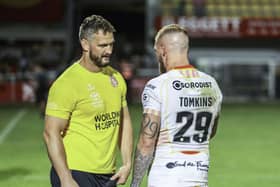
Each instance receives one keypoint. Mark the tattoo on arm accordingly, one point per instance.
(149, 131)
(149, 128)
(141, 164)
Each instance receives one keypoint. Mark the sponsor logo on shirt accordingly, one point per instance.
(179, 85)
(199, 165)
(107, 120)
(95, 97)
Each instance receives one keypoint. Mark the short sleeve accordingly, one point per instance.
(219, 96)
(123, 91)
(61, 100)
(150, 98)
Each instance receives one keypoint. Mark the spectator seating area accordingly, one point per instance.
(222, 8)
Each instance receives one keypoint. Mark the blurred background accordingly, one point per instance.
(236, 41)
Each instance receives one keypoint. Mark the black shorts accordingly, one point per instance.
(85, 179)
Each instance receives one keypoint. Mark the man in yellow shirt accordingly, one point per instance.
(87, 115)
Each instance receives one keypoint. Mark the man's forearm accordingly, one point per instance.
(57, 155)
(145, 148)
(126, 144)
(141, 164)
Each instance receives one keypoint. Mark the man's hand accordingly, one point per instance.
(69, 182)
(122, 175)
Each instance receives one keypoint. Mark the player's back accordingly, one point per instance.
(189, 103)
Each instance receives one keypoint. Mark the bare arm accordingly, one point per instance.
(145, 147)
(53, 139)
(214, 129)
(126, 146)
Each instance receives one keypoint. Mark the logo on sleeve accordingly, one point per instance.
(151, 86)
(145, 97)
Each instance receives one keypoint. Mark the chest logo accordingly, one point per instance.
(114, 81)
(94, 96)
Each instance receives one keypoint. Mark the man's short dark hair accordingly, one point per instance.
(92, 24)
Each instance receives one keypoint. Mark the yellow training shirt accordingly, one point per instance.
(92, 102)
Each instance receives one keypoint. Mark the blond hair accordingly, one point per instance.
(172, 28)
(176, 37)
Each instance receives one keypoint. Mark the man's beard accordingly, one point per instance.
(162, 69)
(97, 60)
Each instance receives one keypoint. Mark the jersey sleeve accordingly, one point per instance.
(219, 96)
(123, 90)
(61, 100)
(151, 98)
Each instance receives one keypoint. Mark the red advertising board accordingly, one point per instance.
(31, 10)
(213, 27)
(10, 92)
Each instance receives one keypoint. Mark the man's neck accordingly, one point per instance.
(177, 63)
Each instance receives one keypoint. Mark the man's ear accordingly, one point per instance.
(163, 49)
(164, 54)
(85, 45)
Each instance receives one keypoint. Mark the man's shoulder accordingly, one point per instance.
(110, 71)
(156, 83)
(206, 75)
(67, 75)
(69, 70)
(160, 78)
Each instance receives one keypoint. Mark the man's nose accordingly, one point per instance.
(109, 49)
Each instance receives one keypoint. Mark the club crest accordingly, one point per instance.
(114, 81)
